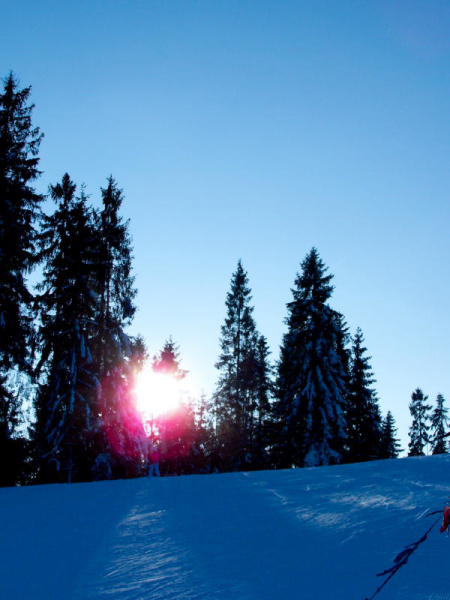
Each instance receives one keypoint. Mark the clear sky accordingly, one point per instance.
(255, 130)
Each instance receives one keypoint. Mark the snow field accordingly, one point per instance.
(301, 534)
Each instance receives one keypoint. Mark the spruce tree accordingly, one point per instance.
(121, 442)
(363, 414)
(19, 210)
(113, 350)
(16, 468)
(175, 428)
(205, 441)
(418, 432)
(167, 362)
(68, 308)
(312, 377)
(10, 407)
(390, 445)
(20, 205)
(439, 424)
(235, 397)
(263, 427)
(115, 280)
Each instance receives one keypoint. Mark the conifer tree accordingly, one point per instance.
(168, 361)
(176, 427)
(121, 439)
(9, 420)
(311, 384)
(16, 468)
(205, 442)
(86, 303)
(439, 424)
(113, 350)
(235, 398)
(186, 436)
(116, 283)
(418, 432)
(20, 205)
(390, 445)
(363, 414)
(263, 413)
(67, 311)
(19, 210)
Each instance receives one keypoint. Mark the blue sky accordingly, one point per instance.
(256, 130)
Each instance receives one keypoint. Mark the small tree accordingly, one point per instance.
(418, 432)
(363, 414)
(263, 413)
(175, 428)
(168, 361)
(204, 443)
(390, 445)
(439, 423)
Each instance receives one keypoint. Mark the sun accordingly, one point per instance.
(157, 393)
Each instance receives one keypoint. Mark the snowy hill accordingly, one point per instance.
(304, 534)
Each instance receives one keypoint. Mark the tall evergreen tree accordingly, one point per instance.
(390, 445)
(439, 424)
(19, 209)
(116, 283)
(418, 432)
(87, 424)
(68, 310)
(235, 398)
(311, 384)
(20, 204)
(113, 350)
(363, 414)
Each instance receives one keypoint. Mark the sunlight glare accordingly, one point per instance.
(157, 393)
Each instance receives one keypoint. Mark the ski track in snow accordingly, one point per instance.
(308, 534)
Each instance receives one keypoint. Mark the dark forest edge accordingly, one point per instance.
(68, 366)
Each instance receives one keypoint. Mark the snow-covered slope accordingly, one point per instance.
(302, 534)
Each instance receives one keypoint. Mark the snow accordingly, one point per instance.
(320, 533)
